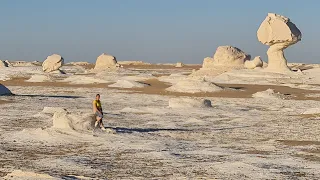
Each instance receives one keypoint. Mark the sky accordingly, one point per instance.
(156, 31)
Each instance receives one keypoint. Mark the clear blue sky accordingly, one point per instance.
(148, 30)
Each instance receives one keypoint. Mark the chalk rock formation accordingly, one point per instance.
(52, 63)
(268, 94)
(8, 63)
(230, 56)
(208, 62)
(105, 61)
(3, 64)
(256, 62)
(194, 86)
(279, 33)
(69, 121)
(4, 90)
(179, 64)
(189, 103)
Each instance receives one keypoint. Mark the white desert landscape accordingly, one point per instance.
(232, 117)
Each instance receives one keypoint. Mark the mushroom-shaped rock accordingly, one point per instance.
(256, 62)
(230, 56)
(52, 63)
(278, 32)
(105, 61)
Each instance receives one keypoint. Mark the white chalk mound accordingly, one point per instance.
(230, 56)
(179, 64)
(268, 94)
(52, 63)
(279, 33)
(189, 103)
(71, 121)
(194, 86)
(128, 84)
(39, 78)
(256, 62)
(80, 79)
(4, 90)
(25, 175)
(105, 61)
(312, 111)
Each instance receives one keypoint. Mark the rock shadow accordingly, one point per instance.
(47, 96)
(143, 130)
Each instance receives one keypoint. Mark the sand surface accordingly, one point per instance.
(272, 136)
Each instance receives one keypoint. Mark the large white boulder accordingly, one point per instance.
(279, 33)
(105, 61)
(71, 121)
(256, 62)
(230, 56)
(52, 63)
(4, 90)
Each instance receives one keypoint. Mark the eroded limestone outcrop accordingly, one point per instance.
(52, 63)
(106, 61)
(256, 62)
(279, 33)
(230, 56)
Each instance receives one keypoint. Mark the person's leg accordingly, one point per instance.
(97, 121)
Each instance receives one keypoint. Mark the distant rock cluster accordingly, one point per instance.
(276, 31)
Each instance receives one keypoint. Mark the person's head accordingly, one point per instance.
(98, 97)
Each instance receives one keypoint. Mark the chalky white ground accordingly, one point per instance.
(233, 139)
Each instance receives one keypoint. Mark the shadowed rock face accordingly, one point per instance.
(3, 64)
(279, 33)
(4, 90)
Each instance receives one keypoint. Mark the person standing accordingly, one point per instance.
(97, 110)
